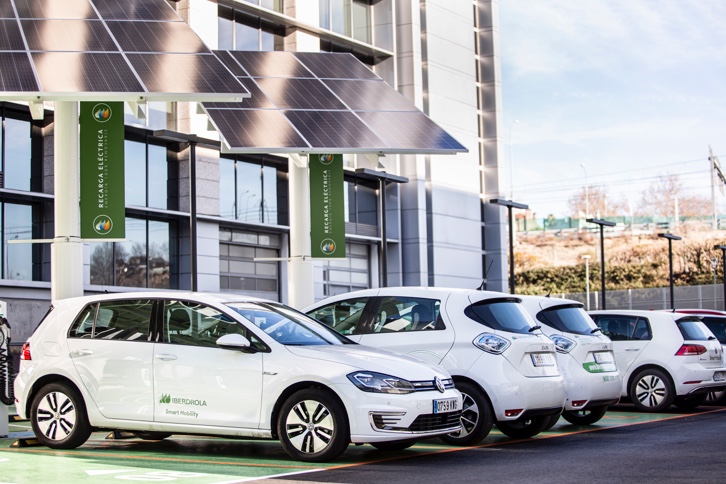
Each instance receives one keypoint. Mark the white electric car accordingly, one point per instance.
(501, 361)
(163, 363)
(664, 357)
(585, 357)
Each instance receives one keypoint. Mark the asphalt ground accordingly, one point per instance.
(678, 446)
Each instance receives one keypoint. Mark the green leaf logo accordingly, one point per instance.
(166, 398)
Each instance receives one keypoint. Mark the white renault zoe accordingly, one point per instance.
(505, 367)
(162, 363)
(584, 354)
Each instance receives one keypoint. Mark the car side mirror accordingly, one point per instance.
(235, 342)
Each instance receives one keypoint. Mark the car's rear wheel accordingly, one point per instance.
(477, 417)
(313, 426)
(58, 416)
(523, 429)
(689, 402)
(651, 390)
(394, 445)
(587, 416)
(151, 435)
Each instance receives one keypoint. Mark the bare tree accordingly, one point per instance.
(596, 199)
(659, 199)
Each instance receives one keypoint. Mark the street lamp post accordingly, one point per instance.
(587, 279)
(722, 248)
(670, 238)
(602, 224)
(510, 205)
(714, 265)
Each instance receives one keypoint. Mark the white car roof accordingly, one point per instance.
(209, 297)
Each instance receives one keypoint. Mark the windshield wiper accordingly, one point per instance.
(535, 328)
(595, 330)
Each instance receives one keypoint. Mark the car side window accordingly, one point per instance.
(194, 324)
(623, 328)
(642, 330)
(397, 314)
(343, 316)
(126, 320)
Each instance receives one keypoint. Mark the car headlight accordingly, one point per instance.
(562, 344)
(370, 381)
(491, 343)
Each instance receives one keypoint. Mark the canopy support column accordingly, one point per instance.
(66, 255)
(301, 277)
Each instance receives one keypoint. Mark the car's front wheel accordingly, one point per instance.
(58, 416)
(651, 390)
(477, 417)
(313, 426)
(523, 429)
(585, 417)
(716, 398)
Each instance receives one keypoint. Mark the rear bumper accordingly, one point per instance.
(691, 379)
(589, 387)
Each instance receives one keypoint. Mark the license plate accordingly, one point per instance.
(602, 357)
(719, 376)
(543, 359)
(446, 405)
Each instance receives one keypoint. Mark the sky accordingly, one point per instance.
(629, 89)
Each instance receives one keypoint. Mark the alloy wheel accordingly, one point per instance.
(56, 416)
(310, 426)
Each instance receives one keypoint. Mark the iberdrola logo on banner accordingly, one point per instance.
(327, 205)
(103, 206)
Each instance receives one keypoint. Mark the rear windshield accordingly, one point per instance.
(717, 327)
(693, 330)
(501, 314)
(568, 319)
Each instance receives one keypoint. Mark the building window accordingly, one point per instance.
(249, 191)
(146, 175)
(146, 259)
(240, 31)
(156, 116)
(20, 262)
(276, 5)
(361, 203)
(349, 274)
(238, 270)
(17, 139)
(351, 18)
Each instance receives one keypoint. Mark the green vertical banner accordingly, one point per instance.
(327, 206)
(103, 207)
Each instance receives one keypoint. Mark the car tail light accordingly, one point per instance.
(25, 352)
(513, 412)
(691, 350)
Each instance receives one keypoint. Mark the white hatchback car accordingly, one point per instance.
(664, 357)
(162, 363)
(584, 354)
(503, 364)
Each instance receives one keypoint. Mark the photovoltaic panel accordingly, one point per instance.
(10, 38)
(339, 130)
(156, 37)
(6, 9)
(67, 35)
(263, 130)
(85, 72)
(409, 131)
(57, 9)
(226, 58)
(181, 73)
(16, 73)
(258, 100)
(271, 64)
(335, 66)
(299, 93)
(370, 96)
(136, 10)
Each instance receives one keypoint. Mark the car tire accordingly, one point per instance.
(551, 422)
(477, 417)
(313, 426)
(58, 416)
(716, 398)
(587, 416)
(151, 435)
(651, 390)
(524, 429)
(689, 402)
(393, 445)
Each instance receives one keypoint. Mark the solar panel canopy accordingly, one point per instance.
(106, 49)
(320, 103)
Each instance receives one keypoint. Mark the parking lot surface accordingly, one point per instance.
(202, 460)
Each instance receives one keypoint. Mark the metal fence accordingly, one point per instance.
(686, 297)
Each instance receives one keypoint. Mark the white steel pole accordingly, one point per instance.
(66, 254)
(301, 276)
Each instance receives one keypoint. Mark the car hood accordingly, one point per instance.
(360, 357)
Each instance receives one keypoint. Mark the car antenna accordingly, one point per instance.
(548, 293)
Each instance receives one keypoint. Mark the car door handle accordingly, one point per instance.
(165, 357)
(632, 349)
(77, 353)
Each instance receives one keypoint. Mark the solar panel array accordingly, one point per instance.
(320, 103)
(65, 49)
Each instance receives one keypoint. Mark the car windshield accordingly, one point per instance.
(693, 329)
(504, 314)
(568, 319)
(287, 326)
(717, 326)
